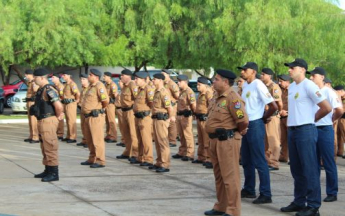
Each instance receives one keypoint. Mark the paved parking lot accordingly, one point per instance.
(121, 188)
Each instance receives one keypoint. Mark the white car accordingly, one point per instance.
(18, 100)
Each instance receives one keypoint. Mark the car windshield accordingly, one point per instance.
(23, 87)
(193, 85)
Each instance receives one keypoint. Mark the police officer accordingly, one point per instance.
(226, 123)
(325, 138)
(240, 83)
(84, 80)
(30, 100)
(341, 122)
(111, 130)
(302, 137)
(59, 87)
(173, 90)
(119, 114)
(48, 111)
(201, 113)
(94, 102)
(128, 95)
(143, 121)
(70, 99)
(256, 97)
(284, 83)
(162, 114)
(272, 140)
(185, 109)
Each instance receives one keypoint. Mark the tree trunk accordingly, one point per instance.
(2, 72)
(18, 73)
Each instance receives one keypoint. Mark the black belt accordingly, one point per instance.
(94, 113)
(67, 101)
(201, 116)
(117, 107)
(43, 116)
(222, 134)
(185, 113)
(127, 108)
(323, 126)
(283, 117)
(299, 126)
(160, 116)
(142, 115)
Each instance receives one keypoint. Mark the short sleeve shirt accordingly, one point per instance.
(111, 89)
(32, 89)
(161, 101)
(186, 98)
(128, 94)
(226, 112)
(203, 102)
(255, 96)
(70, 91)
(302, 99)
(275, 91)
(144, 97)
(333, 99)
(93, 98)
(172, 89)
(60, 87)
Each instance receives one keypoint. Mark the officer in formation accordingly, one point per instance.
(226, 124)
(70, 99)
(84, 80)
(272, 139)
(30, 101)
(95, 101)
(341, 122)
(59, 87)
(185, 109)
(111, 88)
(48, 111)
(119, 113)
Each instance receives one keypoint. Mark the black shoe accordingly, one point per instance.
(135, 161)
(209, 165)
(343, 156)
(119, 144)
(213, 212)
(226, 215)
(196, 143)
(146, 164)
(86, 163)
(80, 144)
(270, 168)
(110, 141)
(289, 163)
(122, 157)
(85, 145)
(262, 200)
(60, 138)
(308, 211)
(162, 169)
(197, 161)
(27, 140)
(292, 208)
(132, 158)
(43, 174)
(177, 156)
(171, 145)
(330, 198)
(185, 158)
(53, 174)
(247, 194)
(34, 141)
(71, 141)
(96, 165)
(153, 167)
(283, 161)
(64, 139)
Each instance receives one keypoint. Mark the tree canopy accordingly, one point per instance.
(195, 34)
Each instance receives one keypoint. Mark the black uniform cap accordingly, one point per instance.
(226, 73)
(251, 65)
(284, 77)
(141, 74)
(338, 87)
(182, 77)
(126, 72)
(159, 76)
(166, 71)
(327, 80)
(107, 74)
(96, 72)
(29, 71)
(268, 71)
(203, 80)
(317, 70)
(83, 75)
(41, 72)
(298, 62)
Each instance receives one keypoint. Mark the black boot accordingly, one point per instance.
(53, 174)
(43, 174)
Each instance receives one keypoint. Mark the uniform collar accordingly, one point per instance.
(226, 93)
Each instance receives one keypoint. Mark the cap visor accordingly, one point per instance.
(242, 68)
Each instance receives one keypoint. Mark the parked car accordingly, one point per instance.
(10, 90)
(2, 101)
(18, 100)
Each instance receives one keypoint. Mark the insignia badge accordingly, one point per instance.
(103, 97)
(150, 92)
(237, 104)
(276, 96)
(318, 94)
(165, 98)
(239, 114)
(101, 90)
(276, 91)
(167, 103)
(296, 95)
(223, 103)
(248, 94)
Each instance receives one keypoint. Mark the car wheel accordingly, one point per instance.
(1, 106)
(9, 101)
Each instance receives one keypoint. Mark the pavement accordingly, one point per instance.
(121, 188)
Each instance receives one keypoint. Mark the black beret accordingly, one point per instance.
(159, 76)
(268, 71)
(284, 77)
(126, 72)
(107, 74)
(41, 72)
(141, 74)
(182, 77)
(166, 71)
(251, 65)
(96, 72)
(327, 80)
(203, 80)
(317, 70)
(29, 71)
(298, 62)
(338, 87)
(83, 75)
(226, 73)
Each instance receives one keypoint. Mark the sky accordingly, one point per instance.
(342, 4)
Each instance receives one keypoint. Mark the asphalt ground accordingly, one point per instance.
(121, 188)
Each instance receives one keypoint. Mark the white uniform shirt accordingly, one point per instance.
(255, 96)
(301, 101)
(333, 99)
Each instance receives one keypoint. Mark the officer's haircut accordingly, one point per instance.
(230, 81)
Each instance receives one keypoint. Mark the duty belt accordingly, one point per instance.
(94, 113)
(222, 134)
(67, 101)
(118, 107)
(201, 116)
(142, 115)
(127, 108)
(185, 113)
(160, 116)
(43, 116)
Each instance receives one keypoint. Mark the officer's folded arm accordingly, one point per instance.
(242, 127)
